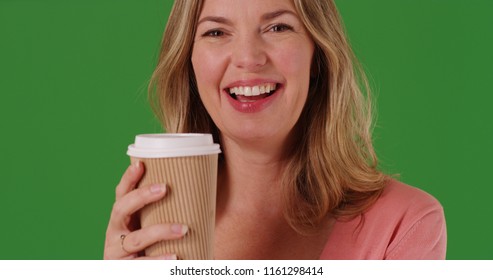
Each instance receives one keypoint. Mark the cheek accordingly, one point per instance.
(208, 77)
(207, 69)
(198, 63)
(296, 63)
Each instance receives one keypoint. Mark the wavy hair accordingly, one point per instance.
(332, 171)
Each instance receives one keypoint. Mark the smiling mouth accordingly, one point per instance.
(252, 94)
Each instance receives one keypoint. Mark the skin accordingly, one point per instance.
(246, 43)
(128, 200)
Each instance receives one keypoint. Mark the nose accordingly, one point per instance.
(249, 52)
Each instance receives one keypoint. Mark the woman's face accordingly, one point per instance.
(252, 61)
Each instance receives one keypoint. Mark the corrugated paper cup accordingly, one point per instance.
(187, 164)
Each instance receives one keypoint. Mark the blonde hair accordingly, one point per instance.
(332, 171)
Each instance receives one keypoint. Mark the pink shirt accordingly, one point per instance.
(404, 223)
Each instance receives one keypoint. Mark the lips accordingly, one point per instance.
(252, 93)
(253, 96)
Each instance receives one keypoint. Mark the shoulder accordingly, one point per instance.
(416, 220)
(404, 223)
(399, 199)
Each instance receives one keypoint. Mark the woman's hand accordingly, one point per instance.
(124, 238)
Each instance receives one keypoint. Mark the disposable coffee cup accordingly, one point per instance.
(187, 164)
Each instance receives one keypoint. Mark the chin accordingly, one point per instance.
(254, 134)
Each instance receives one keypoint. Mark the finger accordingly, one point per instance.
(130, 179)
(114, 250)
(140, 239)
(132, 202)
(163, 257)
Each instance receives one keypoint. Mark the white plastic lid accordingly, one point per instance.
(172, 145)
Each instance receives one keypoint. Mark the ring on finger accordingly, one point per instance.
(122, 239)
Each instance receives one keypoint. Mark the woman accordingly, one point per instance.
(275, 82)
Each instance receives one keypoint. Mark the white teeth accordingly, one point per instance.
(253, 91)
(247, 91)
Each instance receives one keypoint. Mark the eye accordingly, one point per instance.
(281, 27)
(213, 33)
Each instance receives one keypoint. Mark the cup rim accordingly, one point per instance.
(157, 145)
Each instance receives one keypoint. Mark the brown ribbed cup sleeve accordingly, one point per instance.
(191, 200)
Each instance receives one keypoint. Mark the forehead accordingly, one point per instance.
(248, 7)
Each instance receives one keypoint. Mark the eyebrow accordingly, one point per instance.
(277, 13)
(267, 16)
(215, 19)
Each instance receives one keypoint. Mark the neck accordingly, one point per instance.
(250, 177)
(249, 213)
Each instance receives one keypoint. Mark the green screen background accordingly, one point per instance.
(73, 78)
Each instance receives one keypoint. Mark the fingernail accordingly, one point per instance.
(170, 257)
(158, 188)
(136, 165)
(180, 229)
